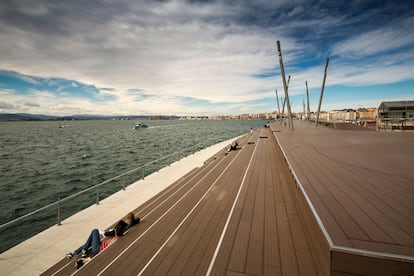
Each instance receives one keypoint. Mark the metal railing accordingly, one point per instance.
(58, 203)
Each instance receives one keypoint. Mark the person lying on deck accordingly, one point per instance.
(96, 244)
(131, 221)
(232, 146)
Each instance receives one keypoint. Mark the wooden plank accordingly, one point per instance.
(318, 247)
(334, 198)
(265, 211)
(234, 273)
(225, 252)
(304, 259)
(334, 217)
(288, 259)
(196, 234)
(207, 256)
(391, 208)
(382, 210)
(254, 260)
(391, 230)
(377, 226)
(170, 222)
(206, 235)
(238, 256)
(271, 258)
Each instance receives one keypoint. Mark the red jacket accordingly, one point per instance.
(106, 242)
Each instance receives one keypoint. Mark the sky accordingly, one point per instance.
(218, 57)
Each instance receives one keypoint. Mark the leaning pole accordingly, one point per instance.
(277, 100)
(307, 96)
(284, 100)
(281, 114)
(323, 87)
(303, 104)
(282, 69)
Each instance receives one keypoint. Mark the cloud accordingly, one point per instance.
(6, 106)
(377, 41)
(162, 57)
(32, 104)
(172, 55)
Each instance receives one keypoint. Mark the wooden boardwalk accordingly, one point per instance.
(361, 188)
(242, 213)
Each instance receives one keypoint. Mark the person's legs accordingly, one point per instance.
(96, 241)
(93, 240)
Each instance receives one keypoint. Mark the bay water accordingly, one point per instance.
(43, 161)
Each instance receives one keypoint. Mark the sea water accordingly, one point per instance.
(41, 162)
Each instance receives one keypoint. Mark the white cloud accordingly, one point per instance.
(384, 38)
(175, 49)
(374, 42)
(5, 107)
(202, 60)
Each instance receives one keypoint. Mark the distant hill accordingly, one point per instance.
(25, 117)
(41, 117)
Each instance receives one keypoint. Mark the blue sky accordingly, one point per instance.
(201, 57)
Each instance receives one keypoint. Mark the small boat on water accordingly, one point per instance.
(140, 125)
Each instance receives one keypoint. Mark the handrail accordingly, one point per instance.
(59, 201)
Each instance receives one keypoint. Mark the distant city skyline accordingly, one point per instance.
(201, 57)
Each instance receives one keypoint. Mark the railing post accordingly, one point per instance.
(97, 195)
(58, 213)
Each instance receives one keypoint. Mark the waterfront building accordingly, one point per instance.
(344, 115)
(364, 114)
(396, 115)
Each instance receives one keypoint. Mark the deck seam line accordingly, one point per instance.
(63, 267)
(166, 191)
(146, 207)
(139, 237)
(152, 210)
(182, 186)
(213, 260)
(187, 216)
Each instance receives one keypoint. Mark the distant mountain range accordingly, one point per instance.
(41, 117)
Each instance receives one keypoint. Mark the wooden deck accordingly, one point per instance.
(243, 213)
(361, 187)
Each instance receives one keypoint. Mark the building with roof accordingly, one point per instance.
(396, 115)
(364, 114)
